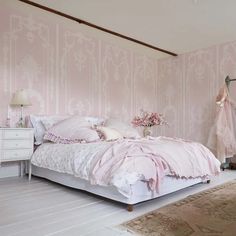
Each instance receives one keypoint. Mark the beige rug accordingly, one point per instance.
(211, 213)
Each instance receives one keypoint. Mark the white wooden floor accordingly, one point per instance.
(40, 207)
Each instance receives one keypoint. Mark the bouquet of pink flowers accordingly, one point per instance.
(149, 119)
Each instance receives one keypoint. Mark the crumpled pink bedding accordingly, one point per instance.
(154, 157)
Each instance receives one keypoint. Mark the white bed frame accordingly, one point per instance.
(169, 185)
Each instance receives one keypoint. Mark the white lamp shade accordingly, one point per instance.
(20, 98)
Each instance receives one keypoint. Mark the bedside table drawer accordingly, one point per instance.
(15, 144)
(17, 134)
(12, 155)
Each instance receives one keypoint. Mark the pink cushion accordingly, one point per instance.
(73, 130)
(35, 121)
(109, 133)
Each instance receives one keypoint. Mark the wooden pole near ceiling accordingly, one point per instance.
(96, 26)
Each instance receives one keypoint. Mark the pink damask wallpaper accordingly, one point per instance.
(189, 86)
(68, 71)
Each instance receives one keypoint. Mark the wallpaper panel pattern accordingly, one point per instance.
(69, 72)
(189, 85)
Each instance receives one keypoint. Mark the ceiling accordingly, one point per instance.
(179, 26)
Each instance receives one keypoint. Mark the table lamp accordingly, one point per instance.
(20, 98)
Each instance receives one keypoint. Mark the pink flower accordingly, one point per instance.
(149, 119)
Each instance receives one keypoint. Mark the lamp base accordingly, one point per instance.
(20, 123)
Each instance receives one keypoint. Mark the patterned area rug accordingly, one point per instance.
(212, 212)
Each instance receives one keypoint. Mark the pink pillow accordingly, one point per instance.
(73, 130)
(35, 121)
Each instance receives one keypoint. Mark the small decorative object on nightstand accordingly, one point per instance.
(16, 144)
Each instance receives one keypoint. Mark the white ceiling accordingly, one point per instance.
(176, 25)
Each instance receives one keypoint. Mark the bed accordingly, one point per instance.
(100, 167)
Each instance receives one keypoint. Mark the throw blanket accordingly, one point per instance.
(151, 157)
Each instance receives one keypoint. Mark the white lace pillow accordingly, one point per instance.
(109, 133)
(125, 129)
(50, 121)
(72, 130)
(95, 121)
(39, 128)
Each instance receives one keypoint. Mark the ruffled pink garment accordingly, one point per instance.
(222, 136)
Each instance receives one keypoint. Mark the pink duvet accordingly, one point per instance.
(154, 158)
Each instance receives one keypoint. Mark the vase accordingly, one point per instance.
(147, 131)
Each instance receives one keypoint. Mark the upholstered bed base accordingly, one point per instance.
(140, 191)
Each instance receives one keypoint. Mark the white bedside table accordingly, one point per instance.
(16, 144)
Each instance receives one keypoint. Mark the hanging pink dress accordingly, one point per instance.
(222, 138)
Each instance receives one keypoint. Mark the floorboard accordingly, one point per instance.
(44, 208)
